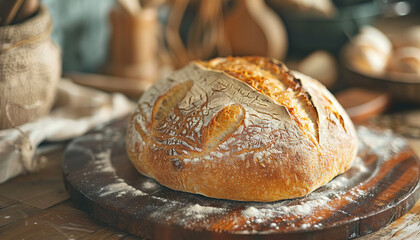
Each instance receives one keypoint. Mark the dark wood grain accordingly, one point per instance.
(40, 191)
(381, 186)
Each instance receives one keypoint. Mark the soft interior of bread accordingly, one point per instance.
(275, 82)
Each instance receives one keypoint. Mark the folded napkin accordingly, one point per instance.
(77, 110)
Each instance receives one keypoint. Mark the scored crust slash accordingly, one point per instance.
(240, 128)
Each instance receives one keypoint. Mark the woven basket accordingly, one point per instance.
(30, 67)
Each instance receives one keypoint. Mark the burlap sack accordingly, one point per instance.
(30, 67)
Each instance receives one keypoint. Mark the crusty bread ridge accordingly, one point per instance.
(243, 129)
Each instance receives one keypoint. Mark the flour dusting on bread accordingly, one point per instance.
(242, 129)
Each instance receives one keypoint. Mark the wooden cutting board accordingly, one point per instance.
(381, 186)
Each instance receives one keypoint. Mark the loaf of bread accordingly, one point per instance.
(405, 60)
(241, 129)
(369, 51)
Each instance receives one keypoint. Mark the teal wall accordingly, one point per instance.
(81, 29)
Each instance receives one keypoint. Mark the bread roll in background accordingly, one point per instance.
(241, 129)
(409, 37)
(405, 60)
(369, 51)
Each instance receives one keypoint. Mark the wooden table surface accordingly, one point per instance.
(37, 206)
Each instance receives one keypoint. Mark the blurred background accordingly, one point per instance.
(83, 28)
(367, 52)
(326, 39)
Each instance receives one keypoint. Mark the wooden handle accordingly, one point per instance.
(27, 10)
(8, 11)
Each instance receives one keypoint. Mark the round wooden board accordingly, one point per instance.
(381, 186)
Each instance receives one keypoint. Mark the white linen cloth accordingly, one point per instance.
(77, 110)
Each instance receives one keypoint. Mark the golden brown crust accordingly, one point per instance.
(265, 76)
(222, 125)
(241, 129)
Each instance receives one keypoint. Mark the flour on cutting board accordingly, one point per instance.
(120, 188)
(150, 185)
(197, 211)
(102, 164)
(272, 211)
(385, 144)
(102, 161)
(341, 188)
